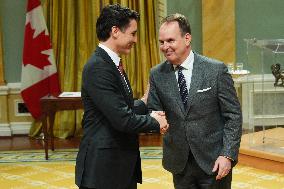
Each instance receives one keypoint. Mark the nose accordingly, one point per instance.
(164, 46)
(135, 39)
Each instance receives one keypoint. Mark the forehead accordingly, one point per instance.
(132, 26)
(169, 30)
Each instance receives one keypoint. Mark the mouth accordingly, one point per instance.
(130, 45)
(168, 53)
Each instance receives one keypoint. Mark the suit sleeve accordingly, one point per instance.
(231, 113)
(140, 107)
(104, 90)
(153, 102)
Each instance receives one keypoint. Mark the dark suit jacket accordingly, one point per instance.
(211, 124)
(109, 156)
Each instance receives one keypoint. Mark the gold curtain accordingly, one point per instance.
(72, 29)
(219, 29)
(145, 54)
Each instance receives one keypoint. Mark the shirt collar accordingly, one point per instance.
(188, 62)
(115, 58)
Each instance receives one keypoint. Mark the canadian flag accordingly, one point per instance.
(39, 74)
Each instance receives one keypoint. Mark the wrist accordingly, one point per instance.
(227, 157)
(144, 100)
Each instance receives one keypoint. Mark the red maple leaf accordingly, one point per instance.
(33, 48)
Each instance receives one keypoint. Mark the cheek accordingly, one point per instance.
(130, 41)
(162, 48)
(131, 38)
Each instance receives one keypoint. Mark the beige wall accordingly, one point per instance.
(5, 129)
(11, 121)
(3, 109)
(14, 116)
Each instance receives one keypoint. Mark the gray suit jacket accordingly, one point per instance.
(211, 124)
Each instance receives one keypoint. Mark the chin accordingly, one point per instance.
(123, 52)
(170, 58)
(127, 51)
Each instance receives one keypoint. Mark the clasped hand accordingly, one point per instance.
(160, 116)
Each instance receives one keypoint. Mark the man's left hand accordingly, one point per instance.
(223, 165)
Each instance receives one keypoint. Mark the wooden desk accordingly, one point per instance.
(50, 105)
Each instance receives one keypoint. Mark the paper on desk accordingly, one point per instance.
(70, 94)
(240, 72)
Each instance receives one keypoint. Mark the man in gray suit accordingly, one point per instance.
(202, 109)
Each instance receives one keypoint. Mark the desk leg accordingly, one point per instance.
(51, 123)
(45, 133)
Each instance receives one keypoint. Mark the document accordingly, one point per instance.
(70, 94)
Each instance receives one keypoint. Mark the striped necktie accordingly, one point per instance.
(121, 71)
(182, 86)
(120, 67)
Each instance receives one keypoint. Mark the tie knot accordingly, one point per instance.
(120, 66)
(179, 68)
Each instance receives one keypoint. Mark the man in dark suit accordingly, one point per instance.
(108, 156)
(202, 109)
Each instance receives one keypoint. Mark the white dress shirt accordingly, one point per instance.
(116, 59)
(187, 69)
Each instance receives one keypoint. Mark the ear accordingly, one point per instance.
(115, 31)
(187, 38)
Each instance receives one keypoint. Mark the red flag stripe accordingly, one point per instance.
(32, 95)
(45, 81)
(32, 4)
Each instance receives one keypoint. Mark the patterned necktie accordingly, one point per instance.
(120, 67)
(182, 86)
(121, 71)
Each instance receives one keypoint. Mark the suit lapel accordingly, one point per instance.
(196, 80)
(126, 93)
(170, 80)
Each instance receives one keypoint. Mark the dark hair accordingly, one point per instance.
(183, 23)
(114, 15)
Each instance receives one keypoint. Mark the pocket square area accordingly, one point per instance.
(203, 90)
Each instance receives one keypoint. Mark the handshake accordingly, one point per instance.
(160, 116)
